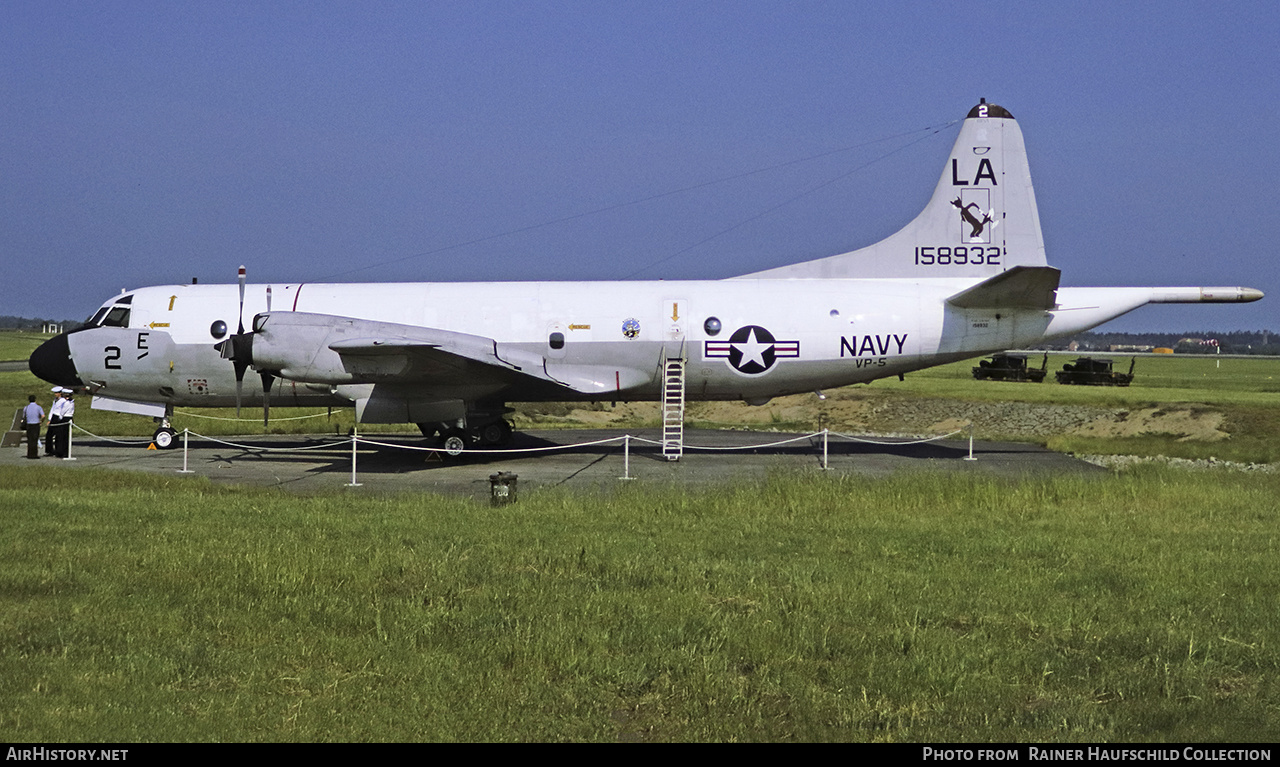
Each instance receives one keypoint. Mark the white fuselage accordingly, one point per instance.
(821, 333)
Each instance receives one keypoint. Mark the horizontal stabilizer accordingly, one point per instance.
(1022, 287)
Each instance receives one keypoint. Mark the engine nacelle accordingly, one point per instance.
(295, 345)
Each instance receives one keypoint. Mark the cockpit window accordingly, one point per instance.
(96, 319)
(124, 299)
(118, 317)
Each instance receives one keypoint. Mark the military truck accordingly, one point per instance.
(1092, 371)
(1010, 367)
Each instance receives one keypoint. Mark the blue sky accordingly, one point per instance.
(149, 143)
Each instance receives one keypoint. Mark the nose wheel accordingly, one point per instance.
(165, 438)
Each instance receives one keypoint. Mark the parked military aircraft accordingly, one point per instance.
(967, 277)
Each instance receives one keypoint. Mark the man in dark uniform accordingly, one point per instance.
(33, 416)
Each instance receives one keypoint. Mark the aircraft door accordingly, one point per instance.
(141, 317)
(675, 326)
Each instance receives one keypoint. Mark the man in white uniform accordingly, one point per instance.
(54, 432)
(64, 438)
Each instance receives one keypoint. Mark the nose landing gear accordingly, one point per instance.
(165, 436)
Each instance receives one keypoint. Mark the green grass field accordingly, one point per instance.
(1136, 607)
(18, 344)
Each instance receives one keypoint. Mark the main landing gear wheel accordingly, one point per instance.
(454, 442)
(165, 438)
(496, 433)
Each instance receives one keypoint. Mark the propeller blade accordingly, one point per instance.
(267, 380)
(241, 330)
(239, 387)
(239, 349)
(268, 298)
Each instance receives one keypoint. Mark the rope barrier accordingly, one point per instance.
(186, 413)
(737, 447)
(551, 448)
(108, 439)
(343, 443)
(356, 440)
(500, 451)
(209, 438)
(902, 442)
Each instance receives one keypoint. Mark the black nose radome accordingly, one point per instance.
(52, 362)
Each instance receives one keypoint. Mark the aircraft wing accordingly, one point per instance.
(323, 348)
(435, 359)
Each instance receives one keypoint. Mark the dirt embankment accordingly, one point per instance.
(864, 411)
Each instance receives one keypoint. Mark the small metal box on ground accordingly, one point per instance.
(502, 488)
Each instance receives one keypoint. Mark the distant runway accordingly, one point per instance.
(323, 463)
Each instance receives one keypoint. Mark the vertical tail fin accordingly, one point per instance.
(981, 220)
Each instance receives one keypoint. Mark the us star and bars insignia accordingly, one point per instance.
(751, 350)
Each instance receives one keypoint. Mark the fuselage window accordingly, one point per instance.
(556, 341)
(118, 317)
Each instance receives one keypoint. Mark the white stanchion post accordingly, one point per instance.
(825, 467)
(970, 456)
(354, 439)
(626, 457)
(69, 430)
(185, 434)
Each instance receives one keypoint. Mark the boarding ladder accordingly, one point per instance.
(673, 408)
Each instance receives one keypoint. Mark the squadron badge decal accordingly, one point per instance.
(631, 329)
(976, 224)
(976, 215)
(751, 350)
